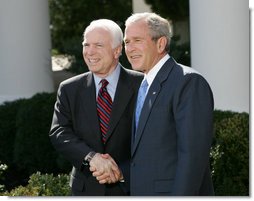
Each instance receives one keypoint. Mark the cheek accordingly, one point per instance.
(84, 52)
(127, 50)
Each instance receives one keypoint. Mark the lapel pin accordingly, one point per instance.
(154, 92)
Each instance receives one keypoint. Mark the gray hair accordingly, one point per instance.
(109, 25)
(157, 25)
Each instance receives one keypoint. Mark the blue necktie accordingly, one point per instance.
(140, 100)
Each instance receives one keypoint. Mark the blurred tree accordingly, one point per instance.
(172, 9)
(68, 19)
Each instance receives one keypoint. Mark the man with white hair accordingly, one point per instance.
(91, 125)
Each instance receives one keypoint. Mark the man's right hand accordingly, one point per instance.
(105, 169)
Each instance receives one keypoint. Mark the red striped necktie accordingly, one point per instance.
(104, 107)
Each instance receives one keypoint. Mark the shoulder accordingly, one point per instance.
(187, 73)
(192, 79)
(187, 70)
(192, 74)
(132, 72)
(182, 75)
(75, 81)
(131, 78)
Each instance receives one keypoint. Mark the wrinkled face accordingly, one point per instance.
(98, 53)
(140, 49)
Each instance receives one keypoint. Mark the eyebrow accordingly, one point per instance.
(136, 37)
(97, 43)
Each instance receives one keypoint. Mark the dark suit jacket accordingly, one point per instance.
(75, 128)
(170, 154)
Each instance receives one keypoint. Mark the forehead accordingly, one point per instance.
(97, 34)
(136, 29)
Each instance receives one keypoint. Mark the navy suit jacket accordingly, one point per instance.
(75, 129)
(170, 153)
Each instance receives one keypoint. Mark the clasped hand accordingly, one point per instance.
(105, 169)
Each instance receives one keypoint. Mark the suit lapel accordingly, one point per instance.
(151, 96)
(122, 97)
(88, 103)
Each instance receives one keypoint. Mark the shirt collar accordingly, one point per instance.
(153, 72)
(112, 78)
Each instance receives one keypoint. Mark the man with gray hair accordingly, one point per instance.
(173, 123)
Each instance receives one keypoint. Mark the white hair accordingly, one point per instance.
(109, 25)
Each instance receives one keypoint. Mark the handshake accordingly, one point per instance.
(105, 169)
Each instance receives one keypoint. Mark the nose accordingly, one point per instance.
(89, 50)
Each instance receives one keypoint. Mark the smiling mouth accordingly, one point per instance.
(93, 61)
(135, 56)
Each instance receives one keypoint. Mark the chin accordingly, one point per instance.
(134, 66)
(137, 68)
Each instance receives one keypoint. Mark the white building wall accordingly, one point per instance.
(25, 60)
(220, 49)
(139, 6)
(251, 5)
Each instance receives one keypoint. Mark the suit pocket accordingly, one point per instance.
(163, 186)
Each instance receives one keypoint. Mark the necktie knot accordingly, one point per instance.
(144, 85)
(104, 83)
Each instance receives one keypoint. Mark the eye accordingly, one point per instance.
(85, 44)
(126, 42)
(99, 45)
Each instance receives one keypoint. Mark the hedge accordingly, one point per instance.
(32, 148)
(25, 147)
(24, 143)
(230, 154)
(43, 185)
(8, 112)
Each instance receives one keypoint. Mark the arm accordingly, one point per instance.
(193, 110)
(62, 134)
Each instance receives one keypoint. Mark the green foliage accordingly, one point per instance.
(3, 168)
(8, 111)
(43, 185)
(230, 154)
(220, 115)
(24, 143)
(32, 147)
(181, 53)
(172, 9)
(70, 17)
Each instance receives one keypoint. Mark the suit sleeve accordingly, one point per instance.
(193, 111)
(125, 168)
(62, 133)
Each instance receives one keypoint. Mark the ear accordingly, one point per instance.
(161, 44)
(118, 51)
